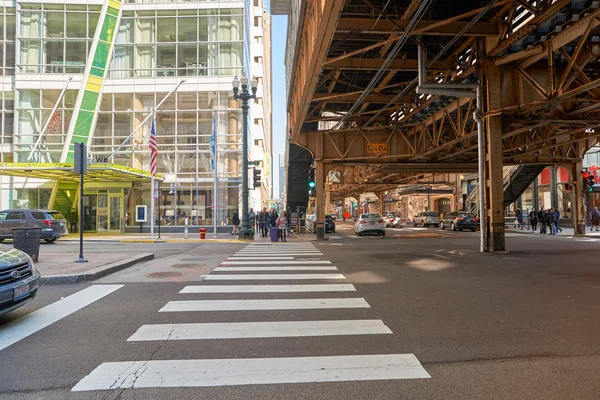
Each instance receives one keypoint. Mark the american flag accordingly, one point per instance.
(54, 125)
(153, 149)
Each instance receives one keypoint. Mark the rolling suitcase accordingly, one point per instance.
(274, 234)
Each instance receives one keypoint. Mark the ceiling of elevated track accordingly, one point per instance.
(547, 54)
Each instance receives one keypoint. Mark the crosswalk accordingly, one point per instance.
(272, 264)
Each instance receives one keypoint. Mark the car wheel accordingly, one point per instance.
(452, 226)
(1, 240)
(460, 229)
(52, 240)
(383, 233)
(442, 226)
(437, 225)
(415, 223)
(359, 233)
(473, 229)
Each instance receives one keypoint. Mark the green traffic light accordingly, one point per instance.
(311, 184)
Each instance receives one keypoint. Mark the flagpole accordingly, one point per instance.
(152, 195)
(216, 177)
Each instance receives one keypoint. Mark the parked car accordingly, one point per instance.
(389, 218)
(459, 220)
(425, 219)
(398, 222)
(370, 223)
(52, 223)
(19, 280)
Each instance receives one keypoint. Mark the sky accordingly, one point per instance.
(278, 88)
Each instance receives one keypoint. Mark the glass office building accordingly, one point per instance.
(46, 57)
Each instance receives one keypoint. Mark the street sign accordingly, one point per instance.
(141, 213)
(334, 177)
(377, 148)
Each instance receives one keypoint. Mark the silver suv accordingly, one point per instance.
(427, 218)
(19, 280)
(52, 223)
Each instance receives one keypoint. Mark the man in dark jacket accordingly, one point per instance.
(557, 223)
(551, 222)
(263, 219)
(542, 220)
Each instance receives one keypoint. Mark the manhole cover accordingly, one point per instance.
(194, 259)
(187, 265)
(165, 274)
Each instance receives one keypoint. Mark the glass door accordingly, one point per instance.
(102, 211)
(115, 213)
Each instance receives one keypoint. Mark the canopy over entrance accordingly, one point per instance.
(65, 172)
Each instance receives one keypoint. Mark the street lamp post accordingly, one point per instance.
(244, 94)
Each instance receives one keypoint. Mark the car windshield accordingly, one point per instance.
(55, 215)
(433, 214)
(465, 215)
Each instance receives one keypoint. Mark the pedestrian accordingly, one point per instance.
(235, 219)
(557, 223)
(264, 222)
(73, 219)
(282, 223)
(595, 218)
(533, 219)
(551, 221)
(542, 220)
(519, 215)
(273, 225)
(252, 219)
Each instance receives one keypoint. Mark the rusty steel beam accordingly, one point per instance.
(373, 64)
(433, 28)
(352, 97)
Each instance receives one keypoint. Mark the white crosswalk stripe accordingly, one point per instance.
(286, 268)
(332, 287)
(262, 259)
(243, 330)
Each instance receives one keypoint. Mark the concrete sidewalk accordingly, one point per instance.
(140, 238)
(567, 231)
(62, 268)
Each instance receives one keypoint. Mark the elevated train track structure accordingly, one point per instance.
(353, 103)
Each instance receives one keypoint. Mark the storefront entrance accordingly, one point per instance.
(102, 210)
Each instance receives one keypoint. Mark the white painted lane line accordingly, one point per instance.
(296, 262)
(271, 277)
(263, 304)
(40, 319)
(315, 254)
(289, 268)
(241, 258)
(247, 330)
(333, 287)
(251, 371)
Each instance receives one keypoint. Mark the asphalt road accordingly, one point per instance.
(516, 325)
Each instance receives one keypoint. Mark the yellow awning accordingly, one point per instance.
(65, 172)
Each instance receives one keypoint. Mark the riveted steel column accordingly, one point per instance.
(494, 188)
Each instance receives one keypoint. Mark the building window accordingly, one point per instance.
(257, 21)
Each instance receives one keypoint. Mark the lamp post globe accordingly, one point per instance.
(244, 95)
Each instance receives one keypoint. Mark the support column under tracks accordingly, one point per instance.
(577, 198)
(494, 185)
(320, 188)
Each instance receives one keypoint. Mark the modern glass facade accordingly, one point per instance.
(156, 46)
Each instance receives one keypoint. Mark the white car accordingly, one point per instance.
(398, 222)
(370, 223)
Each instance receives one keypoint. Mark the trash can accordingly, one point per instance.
(28, 241)
(274, 234)
(202, 233)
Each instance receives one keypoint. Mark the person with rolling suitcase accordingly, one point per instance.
(273, 225)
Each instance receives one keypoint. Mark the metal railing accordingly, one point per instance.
(474, 196)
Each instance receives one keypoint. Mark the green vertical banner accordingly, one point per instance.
(88, 98)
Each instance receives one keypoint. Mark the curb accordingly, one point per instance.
(97, 272)
(179, 241)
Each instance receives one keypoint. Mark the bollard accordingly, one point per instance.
(185, 230)
(202, 233)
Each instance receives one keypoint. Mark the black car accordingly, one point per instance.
(459, 220)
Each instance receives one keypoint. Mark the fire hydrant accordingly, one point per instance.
(202, 233)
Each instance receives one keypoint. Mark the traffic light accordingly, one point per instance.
(588, 181)
(257, 179)
(311, 178)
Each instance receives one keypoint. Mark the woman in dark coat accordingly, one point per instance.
(533, 220)
(235, 220)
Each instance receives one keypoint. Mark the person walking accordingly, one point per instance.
(551, 221)
(282, 223)
(595, 218)
(235, 219)
(533, 219)
(252, 220)
(519, 215)
(542, 220)
(557, 223)
(264, 222)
